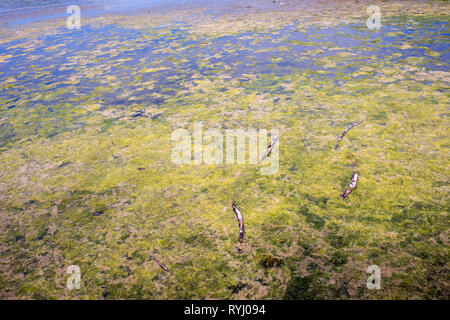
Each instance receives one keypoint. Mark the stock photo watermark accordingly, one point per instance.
(74, 281)
(374, 21)
(74, 20)
(208, 147)
(374, 281)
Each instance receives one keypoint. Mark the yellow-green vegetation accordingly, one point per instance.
(86, 119)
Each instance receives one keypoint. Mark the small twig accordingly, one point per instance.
(269, 148)
(240, 220)
(347, 130)
(351, 186)
(159, 263)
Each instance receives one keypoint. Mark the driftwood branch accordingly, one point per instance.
(347, 130)
(240, 220)
(351, 186)
(269, 148)
(159, 263)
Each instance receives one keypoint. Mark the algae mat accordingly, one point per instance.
(86, 119)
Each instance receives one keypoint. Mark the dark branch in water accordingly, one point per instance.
(240, 220)
(269, 149)
(159, 263)
(347, 130)
(351, 186)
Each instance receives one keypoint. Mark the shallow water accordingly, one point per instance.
(16, 5)
(124, 54)
(86, 118)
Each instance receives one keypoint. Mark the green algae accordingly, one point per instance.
(72, 148)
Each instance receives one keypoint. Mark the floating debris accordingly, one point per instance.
(347, 130)
(269, 149)
(159, 263)
(156, 116)
(63, 164)
(139, 113)
(351, 186)
(240, 220)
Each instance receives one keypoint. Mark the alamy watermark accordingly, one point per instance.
(208, 147)
(74, 20)
(374, 21)
(374, 281)
(74, 281)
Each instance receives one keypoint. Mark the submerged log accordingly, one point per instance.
(347, 130)
(269, 148)
(351, 186)
(240, 220)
